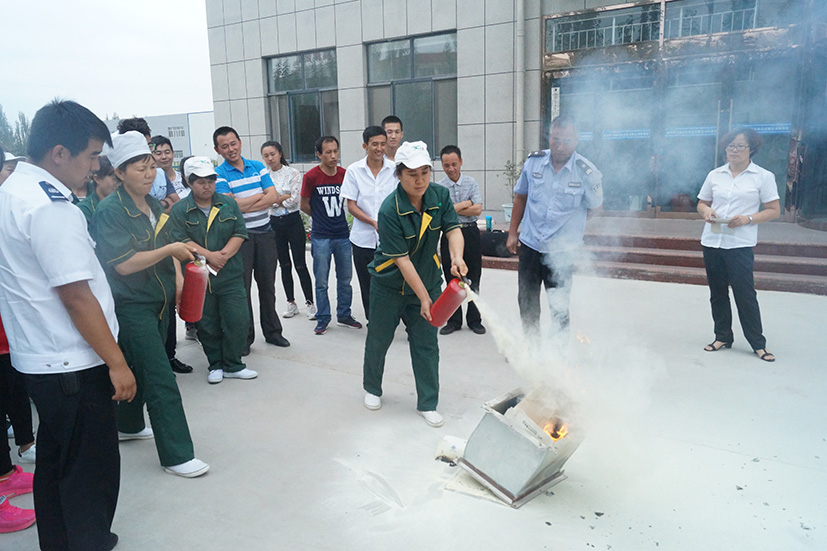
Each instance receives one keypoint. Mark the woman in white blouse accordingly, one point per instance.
(286, 221)
(730, 201)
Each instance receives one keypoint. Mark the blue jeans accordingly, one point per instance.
(321, 249)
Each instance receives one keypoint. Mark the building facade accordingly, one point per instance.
(190, 133)
(653, 84)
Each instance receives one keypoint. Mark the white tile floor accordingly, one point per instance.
(687, 450)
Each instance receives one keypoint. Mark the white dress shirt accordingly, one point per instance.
(359, 185)
(730, 197)
(45, 245)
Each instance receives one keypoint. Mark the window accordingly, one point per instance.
(688, 18)
(416, 80)
(303, 101)
(176, 132)
(598, 29)
(601, 29)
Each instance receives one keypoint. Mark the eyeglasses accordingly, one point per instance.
(736, 147)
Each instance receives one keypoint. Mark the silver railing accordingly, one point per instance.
(614, 30)
(690, 24)
(610, 35)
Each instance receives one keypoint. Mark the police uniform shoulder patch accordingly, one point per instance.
(584, 167)
(536, 154)
(52, 192)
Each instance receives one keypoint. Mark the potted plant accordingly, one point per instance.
(512, 174)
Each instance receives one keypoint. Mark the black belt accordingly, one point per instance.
(468, 225)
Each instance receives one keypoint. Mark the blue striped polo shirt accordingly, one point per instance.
(255, 179)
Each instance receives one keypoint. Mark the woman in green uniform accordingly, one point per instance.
(407, 277)
(214, 226)
(132, 243)
(103, 183)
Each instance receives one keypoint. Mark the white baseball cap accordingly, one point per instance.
(126, 146)
(200, 166)
(9, 157)
(412, 155)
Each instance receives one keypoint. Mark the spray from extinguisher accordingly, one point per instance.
(448, 302)
(196, 277)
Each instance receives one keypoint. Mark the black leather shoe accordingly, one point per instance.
(448, 329)
(246, 351)
(278, 340)
(179, 367)
(478, 329)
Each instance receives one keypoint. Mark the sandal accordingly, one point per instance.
(767, 356)
(712, 348)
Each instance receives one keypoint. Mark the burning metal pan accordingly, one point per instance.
(512, 455)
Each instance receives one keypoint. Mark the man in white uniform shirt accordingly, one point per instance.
(59, 316)
(367, 183)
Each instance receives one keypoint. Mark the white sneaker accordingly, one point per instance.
(215, 376)
(145, 434)
(432, 418)
(311, 311)
(372, 402)
(243, 374)
(28, 456)
(292, 310)
(190, 469)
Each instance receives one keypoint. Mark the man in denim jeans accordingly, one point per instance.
(329, 236)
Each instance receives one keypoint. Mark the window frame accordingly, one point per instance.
(176, 131)
(412, 78)
(289, 144)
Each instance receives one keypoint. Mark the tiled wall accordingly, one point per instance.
(244, 32)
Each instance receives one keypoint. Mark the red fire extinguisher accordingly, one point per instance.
(448, 302)
(196, 277)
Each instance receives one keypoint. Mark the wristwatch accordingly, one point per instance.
(750, 219)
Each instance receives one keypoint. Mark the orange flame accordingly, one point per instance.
(556, 429)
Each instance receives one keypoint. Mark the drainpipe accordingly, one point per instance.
(519, 84)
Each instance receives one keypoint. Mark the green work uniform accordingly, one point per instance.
(405, 231)
(88, 205)
(141, 304)
(225, 321)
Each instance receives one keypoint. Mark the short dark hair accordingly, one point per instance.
(159, 140)
(193, 177)
(2, 158)
(223, 131)
(65, 123)
(392, 119)
(105, 169)
(138, 124)
(135, 159)
(372, 132)
(564, 121)
(753, 138)
(323, 140)
(181, 169)
(448, 149)
(401, 166)
(277, 145)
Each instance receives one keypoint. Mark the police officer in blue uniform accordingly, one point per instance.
(556, 188)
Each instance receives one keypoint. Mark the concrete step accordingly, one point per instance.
(766, 281)
(811, 250)
(694, 259)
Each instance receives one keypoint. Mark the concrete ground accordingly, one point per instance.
(686, 450)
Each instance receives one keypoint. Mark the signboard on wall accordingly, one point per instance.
(555, 102)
